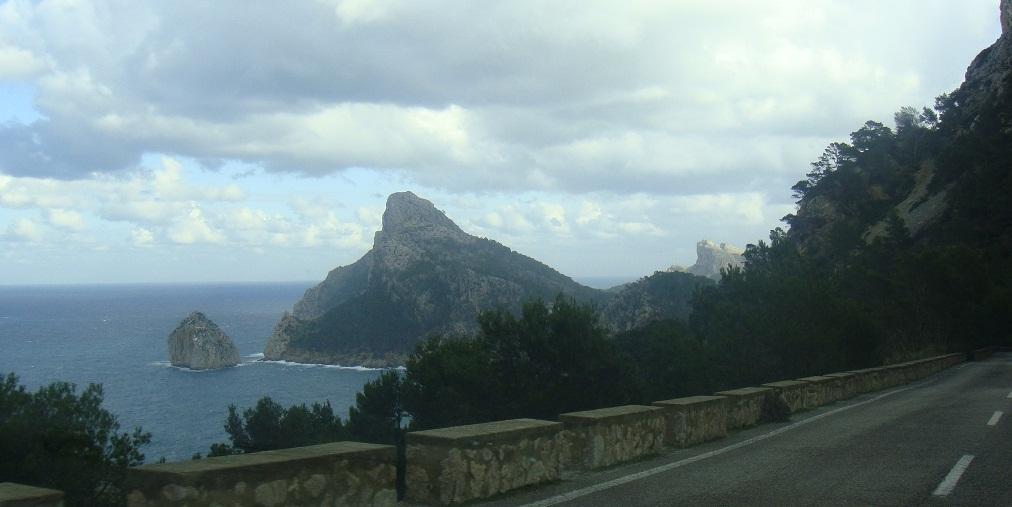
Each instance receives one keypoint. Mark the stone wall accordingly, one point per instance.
(20, 495)
(982, 354)
(608, 436)
(694, 419)
(867, 380)
(341, 473)
(848, 384)
(454, 465)
(821, 390)
(793, 392)
(744, 406)
(460, 464)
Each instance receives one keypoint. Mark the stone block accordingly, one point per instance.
(20, 495)
(822, 390)
(608, 436)
(694, 419)
(744, 406)
(454, 465)
(794, 392)
(848, 384)
(339, 473)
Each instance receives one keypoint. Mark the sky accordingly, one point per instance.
(234, 141)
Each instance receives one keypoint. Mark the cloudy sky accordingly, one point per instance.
(257, 141)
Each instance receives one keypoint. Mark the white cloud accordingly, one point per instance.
(662, 97)
(194, 229)
(64, 219)
(18, 63)
(141, 237)
(24, 229)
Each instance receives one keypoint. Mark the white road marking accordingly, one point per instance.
(1009, 395)
(572, 495)
(994, 418)
(949, 482)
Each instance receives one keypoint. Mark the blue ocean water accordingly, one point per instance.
(116, 335)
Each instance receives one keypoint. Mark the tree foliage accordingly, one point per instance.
(269, 425)
(537, 364)
(57, 438)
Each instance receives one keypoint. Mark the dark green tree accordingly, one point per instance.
(59, 439)
(378, 415)
(269, 426)
(668, 360)
(537, 364)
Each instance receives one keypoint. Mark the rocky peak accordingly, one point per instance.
(711, 257)
(408, 214)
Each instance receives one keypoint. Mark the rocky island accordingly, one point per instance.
(199, 344)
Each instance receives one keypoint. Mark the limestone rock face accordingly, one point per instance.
(198, 344)
(987, 76)
(1006, 16)
(423, 276)
(711, 258)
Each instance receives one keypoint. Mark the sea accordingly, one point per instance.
(116, 335)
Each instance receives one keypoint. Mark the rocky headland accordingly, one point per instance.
(711, 258)
(423, 276)
(198, 343)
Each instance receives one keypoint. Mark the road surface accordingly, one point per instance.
(944, 440)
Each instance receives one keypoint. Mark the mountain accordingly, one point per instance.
(423, 276)
(711, 258)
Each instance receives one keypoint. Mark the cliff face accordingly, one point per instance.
(711, 258)
(943, 179)
(198, 344)
(988, 75)
(423, 276)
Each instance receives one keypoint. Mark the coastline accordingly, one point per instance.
(358, 361)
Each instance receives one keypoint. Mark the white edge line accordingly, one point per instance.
(949, 482)
(994, 418)
(572, 495)
(1009, 395)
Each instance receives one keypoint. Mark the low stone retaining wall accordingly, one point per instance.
(891, 376)
(848, 384)
(794, 392)
(694, 419)
(868, 379)
(821, 390)
(20, 495)
(744, 406)
(982, 354)
(464, 463)
(341, 473)
(608, 436)
(454, 465)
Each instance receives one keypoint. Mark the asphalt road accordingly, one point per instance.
(938, 441)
